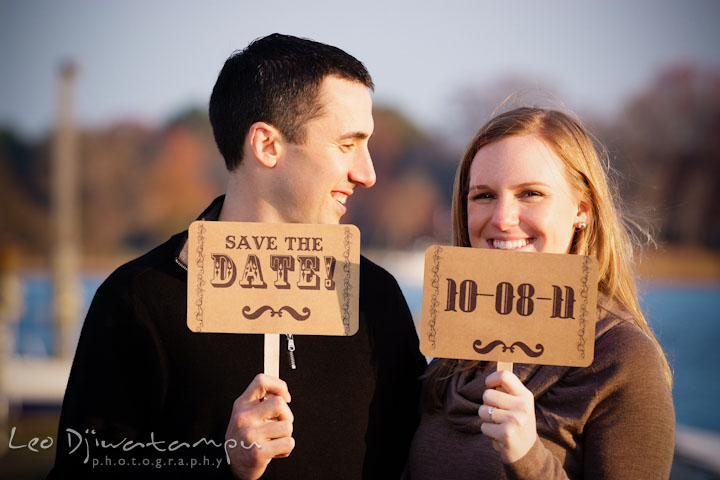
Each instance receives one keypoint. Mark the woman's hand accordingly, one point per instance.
(512, 425)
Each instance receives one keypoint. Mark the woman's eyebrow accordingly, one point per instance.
(514, 187)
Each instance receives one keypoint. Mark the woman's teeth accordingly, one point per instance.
(509, 244)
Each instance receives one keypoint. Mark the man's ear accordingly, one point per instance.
(265, 142)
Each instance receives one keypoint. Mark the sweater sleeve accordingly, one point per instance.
(628, 423)
(394, 415)
(631, 431)
(538, 464)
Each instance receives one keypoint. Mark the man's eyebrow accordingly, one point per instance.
(358, 135)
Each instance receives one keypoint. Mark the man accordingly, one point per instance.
(146, 396)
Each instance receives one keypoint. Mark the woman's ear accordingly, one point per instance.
(583, 214)
(265, 143)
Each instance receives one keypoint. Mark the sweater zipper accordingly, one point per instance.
(291, 350)
(289, 336)
(183, 266)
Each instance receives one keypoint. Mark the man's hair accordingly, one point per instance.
(276, 79)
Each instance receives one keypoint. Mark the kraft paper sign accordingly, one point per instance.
(273, 278)
(481, 304)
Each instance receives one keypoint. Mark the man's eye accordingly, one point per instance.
(347, 146)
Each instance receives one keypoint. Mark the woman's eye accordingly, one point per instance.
(532, 193)
(481, 196)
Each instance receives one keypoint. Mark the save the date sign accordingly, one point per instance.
(273, 278)
(481, 304)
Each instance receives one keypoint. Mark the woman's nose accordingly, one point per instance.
(505, 214)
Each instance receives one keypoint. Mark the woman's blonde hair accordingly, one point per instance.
(606, 236)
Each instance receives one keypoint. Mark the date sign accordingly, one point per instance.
(273, 278)
(481, 304)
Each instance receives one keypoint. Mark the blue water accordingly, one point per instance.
(685, 318)
(34, 335)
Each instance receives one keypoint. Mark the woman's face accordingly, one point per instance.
(519, 198)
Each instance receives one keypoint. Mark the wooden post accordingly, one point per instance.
(65, 199)
(12, 303)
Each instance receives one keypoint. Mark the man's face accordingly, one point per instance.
(315, 178)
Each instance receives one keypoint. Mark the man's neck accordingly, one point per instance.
(245, 201)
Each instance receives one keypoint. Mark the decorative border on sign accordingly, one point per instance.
(583, 308)
(199, 290)
(347, 286)
(435, 294)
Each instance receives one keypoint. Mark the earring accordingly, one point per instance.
(582, 226)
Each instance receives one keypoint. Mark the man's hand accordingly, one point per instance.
(262, 425)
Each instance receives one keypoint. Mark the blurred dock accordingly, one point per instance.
(36, 381)
(697, 454)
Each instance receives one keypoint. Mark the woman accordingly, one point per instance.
(532, 181)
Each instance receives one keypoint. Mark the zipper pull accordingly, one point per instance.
(291, 350)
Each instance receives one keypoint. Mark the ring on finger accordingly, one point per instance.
(490, 413)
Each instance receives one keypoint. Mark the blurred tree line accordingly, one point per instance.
(142, 184)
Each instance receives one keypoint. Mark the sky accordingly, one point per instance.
(145, 60)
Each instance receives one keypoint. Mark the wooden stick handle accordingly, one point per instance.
(272, 355)
(504, 366)
(500, 367)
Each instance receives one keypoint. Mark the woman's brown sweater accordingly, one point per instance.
(611, 420)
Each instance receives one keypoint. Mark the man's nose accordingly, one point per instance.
(505, 215)
(362, 172)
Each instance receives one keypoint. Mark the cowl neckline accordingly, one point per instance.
(465, 389)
